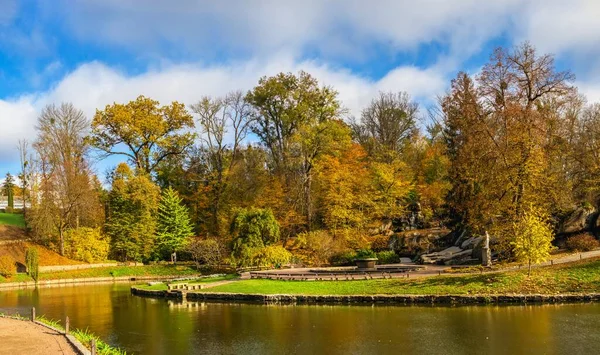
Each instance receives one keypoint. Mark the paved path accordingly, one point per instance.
(426, 271)
(23, 337)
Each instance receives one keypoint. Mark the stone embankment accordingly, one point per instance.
(84, 280)
(369, 299)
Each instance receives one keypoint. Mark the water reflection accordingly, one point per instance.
(150, 326)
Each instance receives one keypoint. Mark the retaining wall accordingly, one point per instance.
(369, 299)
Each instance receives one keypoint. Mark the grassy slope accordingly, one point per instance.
(12, 219)
(116, 271)
(573, 278)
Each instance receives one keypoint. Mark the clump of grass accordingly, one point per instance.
(85, 337)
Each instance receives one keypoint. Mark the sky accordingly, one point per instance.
(96, 52)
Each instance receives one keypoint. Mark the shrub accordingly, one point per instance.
(380, 244)
(582, 242)
(32, 262)
(344, 258)
(7, 266)
(86, 244)
(365, 254)
(388, 257)
(314, 248)
(206, 251)
(273, 255)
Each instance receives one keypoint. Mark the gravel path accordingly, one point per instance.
(23, 337)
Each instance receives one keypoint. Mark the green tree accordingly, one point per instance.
(252, 230)
(150, 132)
(174, 226)
(9, 187)
(533, 237)
(132, 214)
(32, 263)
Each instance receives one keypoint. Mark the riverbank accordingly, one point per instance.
(575, 282)
(103, 274)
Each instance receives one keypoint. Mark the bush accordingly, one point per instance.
(315, 248)
(365, 254)
(388, 257)
(344, 258)
(86, 244)
(32, 262)
(273, 256)
(380, 244)
(206, 251)
(7, 266)
(582, 242)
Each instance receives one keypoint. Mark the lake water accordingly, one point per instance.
(149, 326)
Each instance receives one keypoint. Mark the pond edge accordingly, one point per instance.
(368, 299)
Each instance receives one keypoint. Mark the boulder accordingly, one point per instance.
(579, 220)
(447, 255)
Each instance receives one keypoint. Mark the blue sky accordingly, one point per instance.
(95, 52)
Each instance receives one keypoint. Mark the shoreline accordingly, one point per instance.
(370, 299)
(84, 280)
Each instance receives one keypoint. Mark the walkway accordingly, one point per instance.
(23, 337)
(425, 271)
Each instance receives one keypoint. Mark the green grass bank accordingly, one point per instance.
(12, 219)
(579, 277)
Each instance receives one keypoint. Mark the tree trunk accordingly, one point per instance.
(61, 244)
(529, 271)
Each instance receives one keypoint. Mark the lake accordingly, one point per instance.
(152, 326)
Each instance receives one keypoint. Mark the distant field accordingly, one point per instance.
(12, 219)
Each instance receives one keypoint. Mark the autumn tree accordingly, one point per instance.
(386, 124)
(501, 137)
(67, 195)
(149, 133)
(132, 214)
(223, 124)
(292, 116)
(533, 237)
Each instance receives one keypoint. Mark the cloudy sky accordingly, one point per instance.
(95, 52)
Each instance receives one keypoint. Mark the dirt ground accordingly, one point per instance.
(22, 337)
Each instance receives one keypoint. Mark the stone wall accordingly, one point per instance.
(371, 299)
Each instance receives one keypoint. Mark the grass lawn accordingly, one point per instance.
(578, 277)
(163, 286)
(116, 271)
(12, 219)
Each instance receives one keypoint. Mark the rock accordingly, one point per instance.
(446, 255)
(579, 220)
(406, 261)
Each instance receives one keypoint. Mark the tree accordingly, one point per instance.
(386, 124)
(149, 132)
(216, 116)
(9, 188)
(174, 225)
(505, 138)
(293, 117)
(533, 237)
(206, 251)
(282, 104)
(32, 263)
(67, 193)
(26, 169)
(132, 214)
(253, 229)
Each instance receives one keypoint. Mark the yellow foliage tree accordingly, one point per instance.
(532, 237)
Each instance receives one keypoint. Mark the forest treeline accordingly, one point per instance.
(282, 171)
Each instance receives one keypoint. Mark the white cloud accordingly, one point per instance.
(94, 85)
